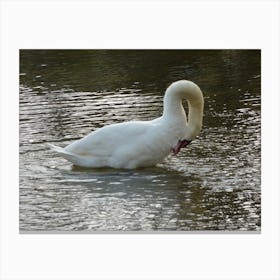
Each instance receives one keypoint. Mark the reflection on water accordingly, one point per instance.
(214, 184)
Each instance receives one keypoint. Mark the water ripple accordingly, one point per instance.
(213, 184)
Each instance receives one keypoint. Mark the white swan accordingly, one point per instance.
(142, 143)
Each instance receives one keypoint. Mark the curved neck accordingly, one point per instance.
(195, 114)
(173, 109)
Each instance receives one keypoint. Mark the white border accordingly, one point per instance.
(153, 24)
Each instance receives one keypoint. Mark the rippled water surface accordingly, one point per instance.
(213, 184)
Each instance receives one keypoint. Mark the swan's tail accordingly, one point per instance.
(55, 148)
(75, 159)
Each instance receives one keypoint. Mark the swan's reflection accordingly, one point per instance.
(151, 199)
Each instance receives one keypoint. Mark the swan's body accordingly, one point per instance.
(142, 143)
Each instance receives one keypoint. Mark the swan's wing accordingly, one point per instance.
(106, 140)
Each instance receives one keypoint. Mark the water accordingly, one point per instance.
(213, 184)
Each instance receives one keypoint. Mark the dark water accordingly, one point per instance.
(213, 184)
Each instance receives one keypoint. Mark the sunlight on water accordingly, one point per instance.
(213, 184)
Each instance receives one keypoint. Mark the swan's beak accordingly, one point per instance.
(181, 144)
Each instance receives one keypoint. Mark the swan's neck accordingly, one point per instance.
(173, 109)
(195, 115)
